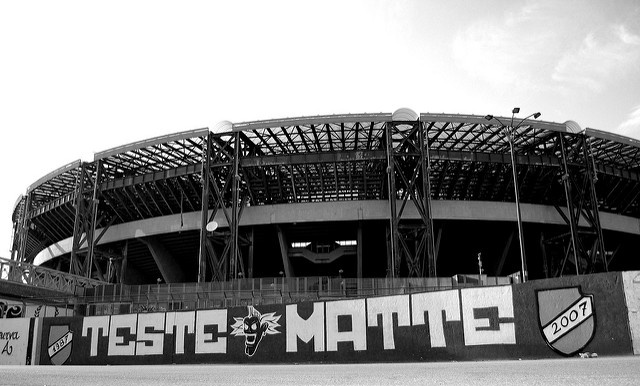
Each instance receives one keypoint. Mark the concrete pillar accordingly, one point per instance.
(169, 268)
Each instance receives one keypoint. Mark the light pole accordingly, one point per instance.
(510, 132)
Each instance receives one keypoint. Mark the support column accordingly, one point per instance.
(359, 247)
(235, 207)
(393, 214)
(169, 268)
(251, 250)
(91, 241)
(592, 177)
(585, 240)
(569, 197)
(413, 245)
(545, 265)
(204, 214)
(124, 263)
(426, 189)
(284, 251)
(221, 185)
(74, 265)
(505, 252)
(24, 231)
(437, 244)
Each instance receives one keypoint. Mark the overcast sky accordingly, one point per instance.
(78, 77)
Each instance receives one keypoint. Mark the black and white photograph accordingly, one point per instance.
(354, 192)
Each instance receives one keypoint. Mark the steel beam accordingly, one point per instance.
(585, 240)
(251, 251)
(320, 157)
(393, 213)
(592, 177)
(359, 241)
(338, 157)
(408, 166)
(74, 265)
(426, 193)
(235, 207)
(94, 218)
(24, 229)
(219, 160)
(204, 214)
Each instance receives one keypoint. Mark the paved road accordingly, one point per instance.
(576, 372)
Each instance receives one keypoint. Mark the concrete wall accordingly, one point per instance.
(540, 319)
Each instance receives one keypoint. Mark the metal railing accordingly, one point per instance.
(93, 297)
(35, 276)
(122, 299)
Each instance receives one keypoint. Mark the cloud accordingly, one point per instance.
(625, 36)
(478, 50)
(631, 126)
(602, 56)
(533, 46)
(509, 51)
(492, 54)
(527, 13)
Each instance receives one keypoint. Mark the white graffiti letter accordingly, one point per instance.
(387, 306)
(479, 331)
(95, 323)
(305, 329)
(117, 345)
(434, 303)
(206, 342)
(353, 309)
(181, 321)
(150, 339)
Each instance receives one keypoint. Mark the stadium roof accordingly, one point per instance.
(329, 158)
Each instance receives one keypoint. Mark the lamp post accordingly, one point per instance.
(510, 132)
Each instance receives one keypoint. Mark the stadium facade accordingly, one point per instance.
(358, 195)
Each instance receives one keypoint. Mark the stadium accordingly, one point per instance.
(356, 196)
(331, 239)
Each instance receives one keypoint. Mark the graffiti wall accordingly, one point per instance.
(14, 341)
(17, 309)
(547, 318)
(10, 309)
(567, 312)
(41, 311)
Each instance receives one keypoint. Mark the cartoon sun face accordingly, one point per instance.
(254, 327)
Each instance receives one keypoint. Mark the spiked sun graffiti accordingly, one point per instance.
(254, 327)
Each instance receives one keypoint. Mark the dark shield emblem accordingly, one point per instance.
(60, 343)
(567, 319)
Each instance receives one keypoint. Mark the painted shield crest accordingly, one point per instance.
(567, 319)
(60, 343)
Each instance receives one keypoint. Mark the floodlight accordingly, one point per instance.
(212, 226)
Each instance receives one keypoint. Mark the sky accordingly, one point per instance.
(80, 77)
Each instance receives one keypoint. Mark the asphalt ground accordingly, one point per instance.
(569, 371)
